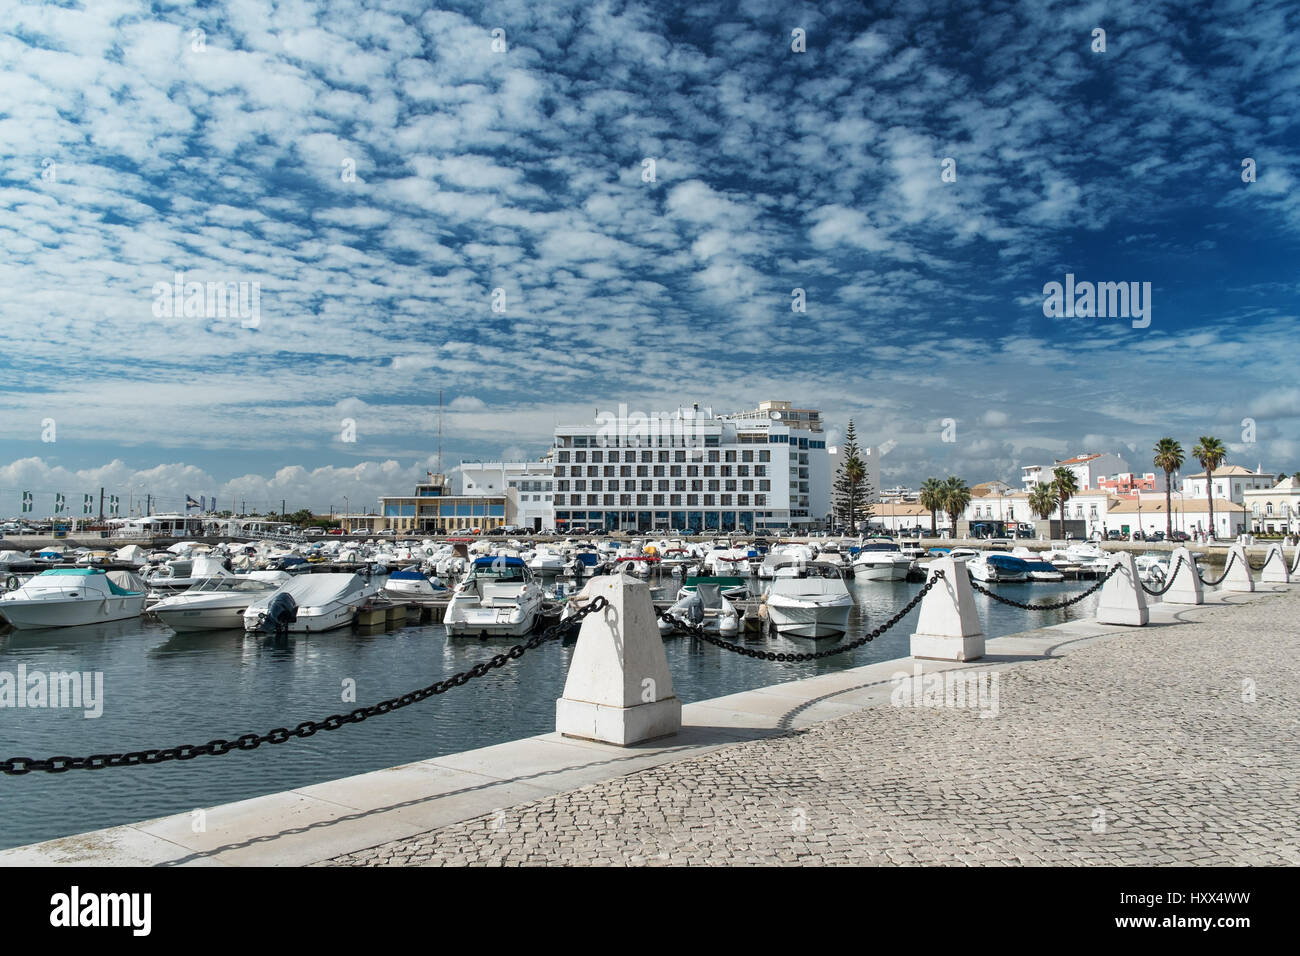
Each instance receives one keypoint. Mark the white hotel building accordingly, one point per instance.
(692, 470)
(526, 485)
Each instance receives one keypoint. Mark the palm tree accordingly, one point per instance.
(1064, 484)
(956, 496)
(931, 499)
(1042, 501)
(1209, 451)
(1169, 456)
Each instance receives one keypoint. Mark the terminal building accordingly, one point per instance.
(693, 471)
(433, 509)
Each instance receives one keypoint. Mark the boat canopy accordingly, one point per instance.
(407, 574)
(501, 561)
(97, 573)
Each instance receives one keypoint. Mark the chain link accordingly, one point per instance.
(1232, 556)
(1156, 592)
(17, 766)
(697, 630)
(975, 585)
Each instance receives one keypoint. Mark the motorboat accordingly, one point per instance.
(67, 597)
(809, 601)
(412, 583)
(547, 561)
(732, 587)
(1042, 570)
(881, 561)
(217, 604)
(638, 564)
(322, 602)
(499, 596)
(705, 605)
(724, 562)
(1153, 567)
(181, 574)
(992, 567)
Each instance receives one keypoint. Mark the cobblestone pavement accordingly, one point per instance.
(1144, 748)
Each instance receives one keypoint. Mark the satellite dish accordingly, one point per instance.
(776, 416)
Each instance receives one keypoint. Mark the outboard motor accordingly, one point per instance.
(279, 614)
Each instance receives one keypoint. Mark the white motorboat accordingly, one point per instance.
(881, 561)
(67, 597)
(810, 601)
(1042, 570)
(993, 567)
(217, 604)
(181, 574)
(1153, 567)
(498, 597)
(639, 564)
(323, 602)
(705, 605)
(547, 561)
(412, 583)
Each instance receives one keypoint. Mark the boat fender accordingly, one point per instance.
(11, 583)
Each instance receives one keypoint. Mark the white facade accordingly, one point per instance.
(527, 485)
(1230, 482)
(1087, 469)
(693, 470)
(1190, 514)
(1274, 510)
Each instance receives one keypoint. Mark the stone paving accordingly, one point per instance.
(1166, 745)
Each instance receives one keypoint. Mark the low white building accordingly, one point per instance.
(1273, 510)
(1230, 481)
(904, 517)
(528, 487)
(1190, 515)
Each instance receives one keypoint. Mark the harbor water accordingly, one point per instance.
(162, 689)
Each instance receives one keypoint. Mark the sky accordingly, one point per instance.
(541, 210)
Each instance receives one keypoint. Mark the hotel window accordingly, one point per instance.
(713, 455)
(726, 471)
(647, 456)
(659, 471)
(765, 486)
(760, 471)
(562, 456)
(659, 501)
(597, 485)
(661, 485)
(579, 486)
(642, 471)
(743, 471)
(674, 501)
(675, 471)
(647, 485)
(760, 501)
(697, 486)
(625, 471)
(559, 499)
(592, 471)
(597, 456)
(580, 457)
(643, 500)
(593, 499)
(708, 501)
(726, 500)
(746, 455)
(663, 456)
(609, 501)
(610, 471)
(692, 501)
(692, 471)
(679, 486)
(730, 455)
(731, 485)
(559, 471)
(710, 471)
(562, 485)
(742, 500)
(625, 500)
(764, 455)
(747, 486)
(679, 456)
(713, 485)
(629, 484)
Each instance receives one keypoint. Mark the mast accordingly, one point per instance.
(439, 431)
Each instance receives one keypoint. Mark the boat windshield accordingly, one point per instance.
(498, 571)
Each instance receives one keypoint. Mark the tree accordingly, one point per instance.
(1209, 451)
(931, 499)
(956, 496)
(851, 485)
(1042, 500)
(1065, 485)
(1169, 457)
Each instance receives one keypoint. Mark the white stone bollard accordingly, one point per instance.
(948, 627)
(1186, 586)
(619, 689)
(1295, 563)
(1238, 574)
(1122, 599)
(1275, 567)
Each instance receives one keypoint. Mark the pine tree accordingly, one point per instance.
(852, 488)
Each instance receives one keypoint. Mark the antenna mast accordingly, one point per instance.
(440, 431)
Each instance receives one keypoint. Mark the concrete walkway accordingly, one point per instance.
(1110, 745)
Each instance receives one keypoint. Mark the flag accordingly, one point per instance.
(203, 503)
(27, 501)
(87, 504)
(190, 503)
(58, 503)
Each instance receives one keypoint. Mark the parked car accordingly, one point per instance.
(1179, 536)
(1114, 535)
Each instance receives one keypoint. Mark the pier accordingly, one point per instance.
(1166, 744)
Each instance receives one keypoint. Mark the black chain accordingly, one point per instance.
(697, 630)
(1232, 556)
(1168, 584)
(975, 585)
(16, 766)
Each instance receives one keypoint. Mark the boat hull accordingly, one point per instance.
(32, 615)
(828, 620)
(890, 571)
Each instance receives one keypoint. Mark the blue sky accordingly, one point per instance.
(134, 147)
